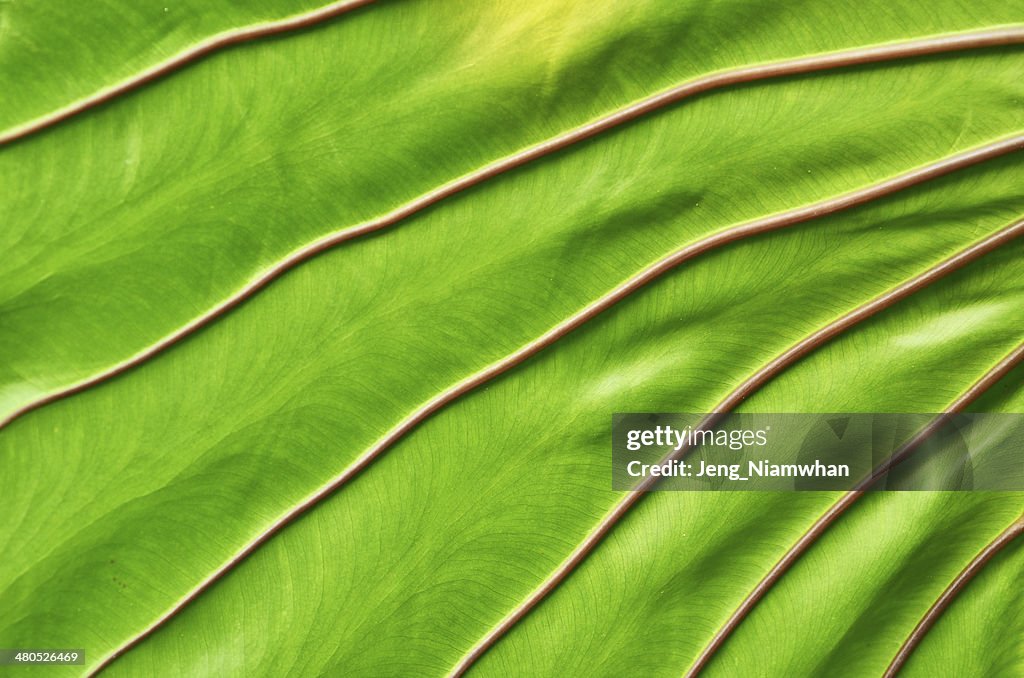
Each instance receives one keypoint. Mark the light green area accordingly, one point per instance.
(56, 54)
(185, 190)
(981, 632)
(126, 223)
(509, 503)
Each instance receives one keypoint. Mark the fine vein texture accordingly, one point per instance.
(131, 220)
(979, 633)
(912, 48)
(146, 16)
(833, 512)
(1004, 539)
(740, 75)
(620, 292)
(726, 405)
(454, 567)
(897, 549)
(276, 432)
(28, 389)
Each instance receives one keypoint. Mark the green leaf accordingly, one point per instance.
(980, 632)
(61, 59)
(131, 221)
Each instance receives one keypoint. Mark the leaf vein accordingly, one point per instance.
(761, 377)
(831, 60)
(617, 294)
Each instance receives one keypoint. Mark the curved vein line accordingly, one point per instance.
(766, 224)
(1003, 540)
(763, 375)
(808, 538)
(180, 60)
(866, 55)
(995, 37)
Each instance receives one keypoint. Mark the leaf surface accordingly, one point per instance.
(130, 221)
(323, 130)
